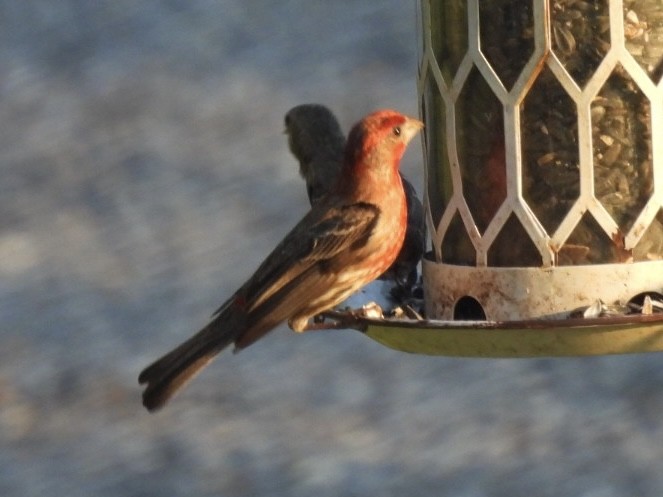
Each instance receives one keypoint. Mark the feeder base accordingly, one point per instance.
(511, 294)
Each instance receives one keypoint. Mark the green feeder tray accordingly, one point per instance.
(510, 339)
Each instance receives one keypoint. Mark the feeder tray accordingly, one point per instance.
(511, 339)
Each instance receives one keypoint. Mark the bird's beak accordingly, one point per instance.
(411, 128)
(416, 123)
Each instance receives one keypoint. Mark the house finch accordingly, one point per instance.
(345, 241)
(317, 142)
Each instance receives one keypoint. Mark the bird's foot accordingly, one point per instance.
(406, 311)
(320, 323)
(371, 310)
(350, 318)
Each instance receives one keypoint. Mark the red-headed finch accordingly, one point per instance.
(345, 241)
(317, 142)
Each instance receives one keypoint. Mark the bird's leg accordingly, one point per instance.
(324, 325)
(329, 320)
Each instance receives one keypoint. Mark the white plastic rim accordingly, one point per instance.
(507, 294)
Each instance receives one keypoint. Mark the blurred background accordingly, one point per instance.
(144, 175)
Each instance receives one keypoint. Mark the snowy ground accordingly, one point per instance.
(144, 176)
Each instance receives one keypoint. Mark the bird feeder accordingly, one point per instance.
(544, 185)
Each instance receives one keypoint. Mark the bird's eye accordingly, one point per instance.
(397, 131)
(287, 120)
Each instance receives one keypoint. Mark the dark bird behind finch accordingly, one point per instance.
(344, 242)
(317, 142)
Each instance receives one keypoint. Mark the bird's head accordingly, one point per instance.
(313, 131)
(378, 141)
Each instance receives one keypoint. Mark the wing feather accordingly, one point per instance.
(308, 245)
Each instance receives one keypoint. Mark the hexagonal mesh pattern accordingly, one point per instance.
(539, 122)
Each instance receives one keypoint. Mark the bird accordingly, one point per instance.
(316, 140)
(346, 240)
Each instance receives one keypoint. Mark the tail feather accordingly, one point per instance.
(168, 374)
(174, 370)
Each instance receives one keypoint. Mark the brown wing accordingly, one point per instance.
(312, 241)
